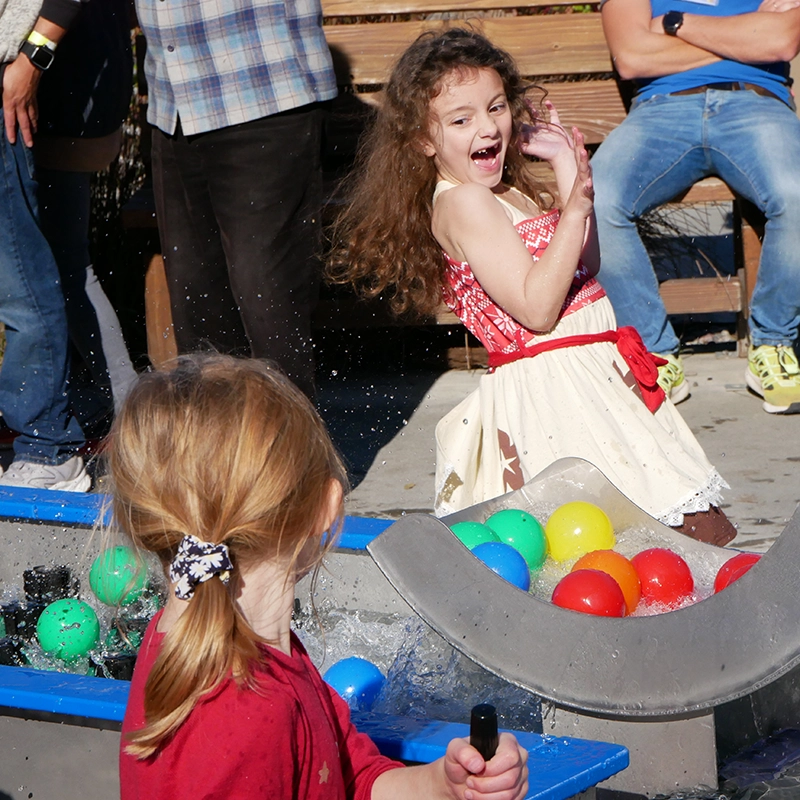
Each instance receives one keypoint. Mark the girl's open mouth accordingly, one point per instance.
(487, 157)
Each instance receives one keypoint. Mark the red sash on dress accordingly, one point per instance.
(643, 365)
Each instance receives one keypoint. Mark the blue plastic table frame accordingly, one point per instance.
(559, 767)
(71, 508)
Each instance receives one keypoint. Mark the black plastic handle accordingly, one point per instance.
(483, 730)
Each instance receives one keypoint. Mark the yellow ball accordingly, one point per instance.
(575, 529)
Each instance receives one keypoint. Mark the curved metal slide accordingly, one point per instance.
(655, 667)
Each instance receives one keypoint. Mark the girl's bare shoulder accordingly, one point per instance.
(464, 202)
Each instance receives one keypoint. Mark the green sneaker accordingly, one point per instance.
(671, 378)
(774, 374)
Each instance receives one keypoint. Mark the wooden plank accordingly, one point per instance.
(558, 44)
(680, 296)
(596, 107)
(708, 190)
(161, 344)
(702, 295)
(364, 8)
(751, 249)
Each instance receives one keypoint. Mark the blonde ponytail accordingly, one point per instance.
(229, 451)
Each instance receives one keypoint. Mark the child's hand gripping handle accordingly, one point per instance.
(483, 734)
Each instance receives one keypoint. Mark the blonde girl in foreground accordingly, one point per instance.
(443, 207)
(223, 469)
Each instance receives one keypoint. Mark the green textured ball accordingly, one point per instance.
(117, 576)
(471, 534)
(523, 532)
(68, 629)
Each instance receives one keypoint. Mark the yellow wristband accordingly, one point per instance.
(37, 39)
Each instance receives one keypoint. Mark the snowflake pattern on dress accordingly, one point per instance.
(196, 562)
(498, 331)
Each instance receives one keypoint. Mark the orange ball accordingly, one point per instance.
(620, 569)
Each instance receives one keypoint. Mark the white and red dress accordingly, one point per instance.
(582, 389)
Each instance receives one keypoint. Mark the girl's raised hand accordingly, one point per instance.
(545, 139)
(503, 777)
(581, 198)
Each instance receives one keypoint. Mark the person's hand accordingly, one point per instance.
(503, 777)
(777, 6)
(657, 25)
(545, 139)
(581, 198)
(20, 82)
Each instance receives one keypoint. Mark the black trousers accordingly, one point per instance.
(239, 220)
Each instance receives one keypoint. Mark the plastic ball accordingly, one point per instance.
(665, 576)
(523, 532)
(620, 569)
(590, 591)
(506, 562)
(117, 576)
(577, 528)
(471, 534)
(733, 569)
(356, 680)
(68, 629)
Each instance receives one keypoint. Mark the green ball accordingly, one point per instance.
(68, 629)
(471, 534)
(117, 576)
(523, 532)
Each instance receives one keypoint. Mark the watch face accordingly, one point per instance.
(40, 57)
(672, 21)
(44, 57)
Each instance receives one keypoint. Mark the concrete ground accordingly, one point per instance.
(384, 424)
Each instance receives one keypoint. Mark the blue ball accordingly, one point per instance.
(507, 562)
(356, 680)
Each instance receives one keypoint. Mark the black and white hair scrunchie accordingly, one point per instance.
(196, 562)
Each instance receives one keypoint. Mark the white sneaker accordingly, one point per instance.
(71, 476)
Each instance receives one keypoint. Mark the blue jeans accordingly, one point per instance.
(33, 378)
(664, 146)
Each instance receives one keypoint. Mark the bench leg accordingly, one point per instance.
(161, 345)
(748, 227)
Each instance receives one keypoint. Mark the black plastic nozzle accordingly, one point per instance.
(483, 730)
(46, 584)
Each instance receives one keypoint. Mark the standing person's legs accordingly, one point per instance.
(653, 155)
(33, 379)
(203, 309)
(265, 183)
(64, 204)
(755, 147)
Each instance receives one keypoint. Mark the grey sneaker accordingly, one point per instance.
(71, 476)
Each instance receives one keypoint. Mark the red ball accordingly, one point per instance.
(665, 576)
(591, 592)
(733, 569)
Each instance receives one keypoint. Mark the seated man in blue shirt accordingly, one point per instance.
(713, 99)
(234, 96)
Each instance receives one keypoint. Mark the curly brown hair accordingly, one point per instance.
(382, 243)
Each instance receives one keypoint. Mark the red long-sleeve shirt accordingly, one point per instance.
(290, 738)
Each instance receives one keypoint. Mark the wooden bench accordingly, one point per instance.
(558, 45)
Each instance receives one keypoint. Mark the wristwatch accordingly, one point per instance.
(40, 54)
(672, 21)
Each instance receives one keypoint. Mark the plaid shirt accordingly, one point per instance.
(223, 62)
